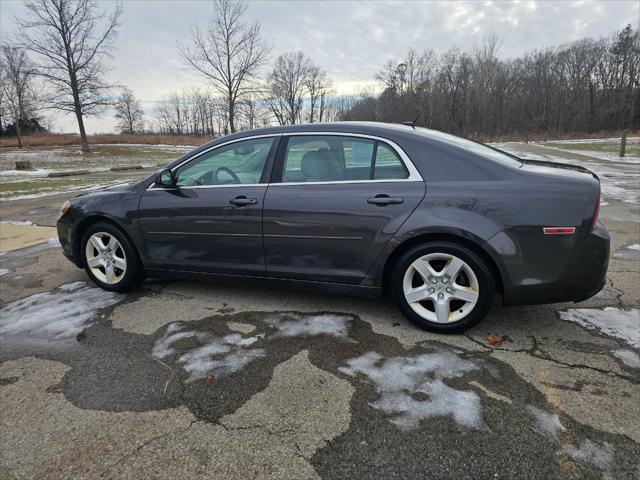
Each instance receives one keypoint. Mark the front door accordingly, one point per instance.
(340, 200)
(212, 220)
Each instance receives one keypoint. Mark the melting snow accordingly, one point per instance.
(599, 455)
(293, 325)
(57, 315)
(402, 382)
(18, 223)
(220, 355)
(628, 357)
(230, 353)
(623, 324)
(546, 423)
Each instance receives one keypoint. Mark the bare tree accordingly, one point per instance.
(18, 95)
(129, 113)
(287, 86)
(318, 86)
(229, 53)
(71, 38)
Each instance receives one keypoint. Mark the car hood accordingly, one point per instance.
(114, 189)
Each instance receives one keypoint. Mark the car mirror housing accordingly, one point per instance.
(165, 178)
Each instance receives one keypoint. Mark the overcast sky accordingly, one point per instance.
(350, 40)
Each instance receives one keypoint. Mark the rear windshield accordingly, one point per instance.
(480, 149)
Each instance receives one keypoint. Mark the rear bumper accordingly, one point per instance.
(562, 268)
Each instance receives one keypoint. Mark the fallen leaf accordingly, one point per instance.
(209, 379)
(494, 340)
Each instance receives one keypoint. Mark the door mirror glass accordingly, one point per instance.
(165, 178)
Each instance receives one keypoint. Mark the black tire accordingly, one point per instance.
(134, 272)
(486, 285)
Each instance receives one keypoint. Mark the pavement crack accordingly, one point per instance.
(138, 448)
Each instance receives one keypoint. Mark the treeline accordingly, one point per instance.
(584, 86)
(59, 60)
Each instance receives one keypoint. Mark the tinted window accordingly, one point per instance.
(388, 164)
(474, 147)
(236, 163)
(338, 158)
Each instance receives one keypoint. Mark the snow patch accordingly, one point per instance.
(412, 388)
(294, 325)
(635, 246)
(546, 423)
(217, 355)
(25, 173)
(57, 315)
(599, 455)
(628, 357)
(17, 223)
(3, 271)
(611, 321)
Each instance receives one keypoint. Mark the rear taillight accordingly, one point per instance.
(559, 230)
(597, 210)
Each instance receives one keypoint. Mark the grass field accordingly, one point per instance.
(612, 148)
(51, 139)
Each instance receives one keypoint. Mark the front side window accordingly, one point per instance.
(317, 158)
(237, 163)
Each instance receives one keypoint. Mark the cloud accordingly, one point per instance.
(350, 39)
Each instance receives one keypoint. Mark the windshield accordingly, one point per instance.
(477, 148)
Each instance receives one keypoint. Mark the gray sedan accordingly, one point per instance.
(438, 222)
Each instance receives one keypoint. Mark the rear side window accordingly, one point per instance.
(388, 165)
(329, 158)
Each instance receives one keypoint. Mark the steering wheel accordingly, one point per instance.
(235, 177)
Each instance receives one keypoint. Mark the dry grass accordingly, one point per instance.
(52, 139)
(541, 137)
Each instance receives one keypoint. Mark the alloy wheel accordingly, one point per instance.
(441, 288)
(106, 258)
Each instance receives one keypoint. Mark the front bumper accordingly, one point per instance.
(557, 268)
(64, 226)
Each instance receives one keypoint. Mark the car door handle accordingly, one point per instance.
(243, 201)
(382, 200)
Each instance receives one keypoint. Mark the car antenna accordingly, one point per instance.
(412, 124)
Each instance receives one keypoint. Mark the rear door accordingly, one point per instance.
(334, 202)
(212, 220)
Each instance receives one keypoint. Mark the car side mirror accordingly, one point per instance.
(165, 178)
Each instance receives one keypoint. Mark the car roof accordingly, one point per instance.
(386, 130)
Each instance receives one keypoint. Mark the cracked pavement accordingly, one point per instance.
(353, 391)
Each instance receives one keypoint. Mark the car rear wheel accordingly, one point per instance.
(442, 287)
(109, 258)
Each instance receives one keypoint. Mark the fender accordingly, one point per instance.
(444, 222)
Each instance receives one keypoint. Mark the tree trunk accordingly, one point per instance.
(19, 133)
(83, 134)
(232, 114)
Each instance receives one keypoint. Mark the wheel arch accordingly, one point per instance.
(423, 238)
(86, 222)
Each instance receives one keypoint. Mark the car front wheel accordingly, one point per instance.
(109, 258)
(442, 287)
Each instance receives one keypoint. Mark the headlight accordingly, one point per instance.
(65, 207)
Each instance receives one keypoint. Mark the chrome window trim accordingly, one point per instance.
(414, 174)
